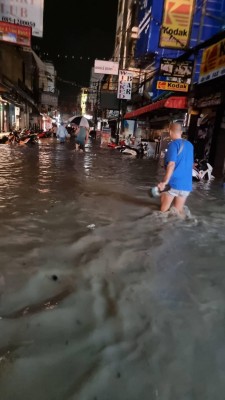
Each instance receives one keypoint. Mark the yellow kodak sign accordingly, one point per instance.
(213, 62)
(177, 23)
(172, 86)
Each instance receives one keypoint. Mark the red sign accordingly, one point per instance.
(161, 85)
(15, 34)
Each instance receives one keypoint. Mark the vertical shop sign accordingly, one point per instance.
(27, 13)
(125, 85)
(176, 23)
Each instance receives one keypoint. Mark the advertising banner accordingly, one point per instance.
(213, 62)
(176, 23)
(15, 34)
(172, 86)
(106, 67)
(125, 85)
(27, 13)
(170, 67)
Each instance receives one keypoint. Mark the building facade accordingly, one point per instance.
(167, 31)
(207, 106)
(27, 88)
(17, 101)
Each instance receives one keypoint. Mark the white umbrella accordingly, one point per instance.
(84, 122)
(81, 121)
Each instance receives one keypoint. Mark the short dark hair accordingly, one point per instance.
(175, 126)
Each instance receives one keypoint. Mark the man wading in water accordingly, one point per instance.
(82, 138)
(179, 163)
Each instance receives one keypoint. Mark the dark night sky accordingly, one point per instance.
(84, 28)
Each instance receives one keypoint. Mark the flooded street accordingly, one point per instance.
(101, 296)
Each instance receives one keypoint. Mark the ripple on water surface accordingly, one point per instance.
(131, 308)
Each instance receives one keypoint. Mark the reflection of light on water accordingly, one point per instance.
(45, 170)
(44, 190)
(2, 180)
(88, 163)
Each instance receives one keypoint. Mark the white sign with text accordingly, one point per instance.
(125, 85)
(24, 12)
(106, 67)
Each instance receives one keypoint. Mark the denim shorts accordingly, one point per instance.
(178, 193)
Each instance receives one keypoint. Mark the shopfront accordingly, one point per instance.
(207, 130)
(4, 116)
(153, 120)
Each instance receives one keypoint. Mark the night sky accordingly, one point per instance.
(80, 29)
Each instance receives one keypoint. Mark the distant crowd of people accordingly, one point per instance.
(81, 134)
(62, 132)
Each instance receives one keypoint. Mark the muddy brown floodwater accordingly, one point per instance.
(102, 297)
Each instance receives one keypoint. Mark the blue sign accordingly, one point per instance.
(144, 20)
(150, 20)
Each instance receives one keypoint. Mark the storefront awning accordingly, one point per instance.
(179, 103)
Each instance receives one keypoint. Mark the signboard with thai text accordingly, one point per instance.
(176, 24)
(27, 13)
(125, 85)
(213, 100)
(15, 34)
(172, 86)
(213, 62)
(106, 67)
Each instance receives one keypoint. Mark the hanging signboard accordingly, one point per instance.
(213, 62)
(176, 23)
(172, 86)
(125, 85)
(171, 67)
(106, 67)
(213, 100)
(27, 13)
(15, 34)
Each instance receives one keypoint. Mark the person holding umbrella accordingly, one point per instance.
(82, 135)
(62, 133)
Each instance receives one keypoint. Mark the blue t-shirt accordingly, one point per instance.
(182, 153)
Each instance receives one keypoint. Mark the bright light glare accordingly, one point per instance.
(87, 116)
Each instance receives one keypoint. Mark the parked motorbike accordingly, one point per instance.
(23, 137)
(3, 139)
(202, 170)
(44, 134)
(138, 151)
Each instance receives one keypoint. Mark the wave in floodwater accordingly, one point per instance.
(101, 296)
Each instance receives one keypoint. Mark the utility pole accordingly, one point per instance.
(96, 106)
(121, 63)
(118, 123)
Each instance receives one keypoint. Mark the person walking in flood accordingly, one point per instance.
(82, 134)
(62, 133)
(179, 163)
